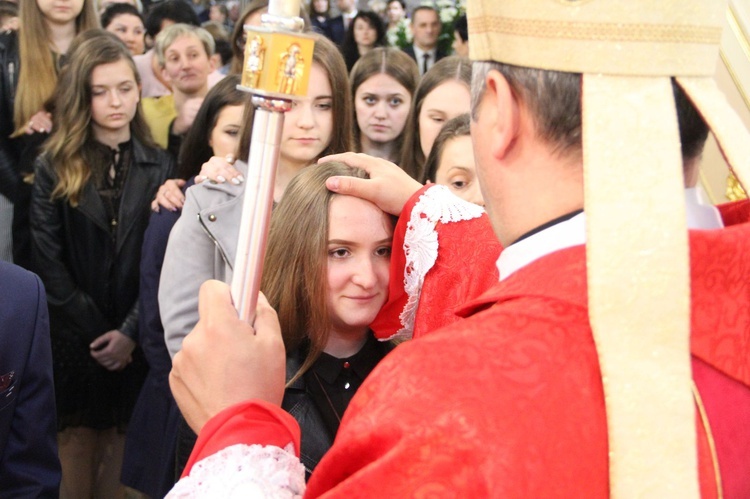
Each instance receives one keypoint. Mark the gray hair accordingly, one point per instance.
(553, 97)
(168, 35)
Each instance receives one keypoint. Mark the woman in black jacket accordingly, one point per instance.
(90, 207)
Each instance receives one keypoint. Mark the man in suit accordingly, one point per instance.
(29, 466)
(337, 26)
(425, 28)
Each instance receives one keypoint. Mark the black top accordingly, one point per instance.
(332, 382)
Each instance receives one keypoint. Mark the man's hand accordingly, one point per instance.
(389, 187)
(186, 115)
(112, 350)
(225, 361)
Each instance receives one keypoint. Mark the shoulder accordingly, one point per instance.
(150, 154)
(18, 288)
(8, 42)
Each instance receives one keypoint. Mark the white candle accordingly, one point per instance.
(284, 8)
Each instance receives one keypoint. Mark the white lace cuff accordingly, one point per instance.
(245, 471)
(436, 204)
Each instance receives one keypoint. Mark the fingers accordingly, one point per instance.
(170, 195)
(220, 170)
(41, 122)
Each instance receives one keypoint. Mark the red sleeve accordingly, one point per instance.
(464, 269)
(387, 323)
(251, 422)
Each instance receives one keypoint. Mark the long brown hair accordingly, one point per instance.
(383, 60)
(295, 269)
(330, 59)
(449, 68)
(37, 75)
(67, 147)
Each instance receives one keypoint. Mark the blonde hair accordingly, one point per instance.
(68, 146)
(295, 269)
(37, 74)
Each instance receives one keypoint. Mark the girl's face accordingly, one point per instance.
(60, 11)
(130, 30)
(225, 135)
(114, 97)
(320, 6)
(382, 106)
(364, 34)
(457, 170)
(446, 101)
(309, 124)
(395, 12)
(359, 250)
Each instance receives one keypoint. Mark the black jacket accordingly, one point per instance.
(88, 264)
(316, 439)
(10, 178)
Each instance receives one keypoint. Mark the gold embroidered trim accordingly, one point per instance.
(614, 32)
(710, 436)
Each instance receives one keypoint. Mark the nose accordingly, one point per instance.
(475, 195)
(365, 276)
(115, 101)
(380, 109)
(305, 118)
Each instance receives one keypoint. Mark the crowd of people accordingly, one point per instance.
(123, 147)
(110, 112)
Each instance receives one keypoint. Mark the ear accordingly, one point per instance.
(164, 74)
(502, 106)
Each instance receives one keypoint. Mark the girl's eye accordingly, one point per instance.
(459, 184)
(338, 253)
(384, 251)
(232, 133)
(370, 100)
(98, 91)
(396, 101)
(325, 105)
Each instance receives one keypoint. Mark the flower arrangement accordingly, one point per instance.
(449, 11)
(400, 36)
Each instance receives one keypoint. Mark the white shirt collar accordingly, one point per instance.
(572, 232)
(419, 55)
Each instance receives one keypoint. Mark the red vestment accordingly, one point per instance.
(509, 402)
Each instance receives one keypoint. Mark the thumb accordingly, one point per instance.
(349, 186)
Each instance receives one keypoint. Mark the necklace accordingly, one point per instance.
(328, 399)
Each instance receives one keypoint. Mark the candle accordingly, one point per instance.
(284, 8)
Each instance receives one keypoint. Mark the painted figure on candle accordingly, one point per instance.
(291, 69)
(255, 57)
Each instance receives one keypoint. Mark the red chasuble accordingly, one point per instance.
(508, 402)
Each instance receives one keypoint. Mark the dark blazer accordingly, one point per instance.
(29, 466)
(335, 29)
(409, 49)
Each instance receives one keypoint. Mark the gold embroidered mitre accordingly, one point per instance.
(637, 252)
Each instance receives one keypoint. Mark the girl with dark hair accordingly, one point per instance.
(149, 464)
(383, 82)
(451, 161)
(318, 125)
(319, 11)
(127, 24)
(365, 32)
(89, 210)
(443, 93)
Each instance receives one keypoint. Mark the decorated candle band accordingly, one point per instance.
(277, 62)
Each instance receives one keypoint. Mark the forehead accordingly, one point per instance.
(355, 219)
(112, 73)
(425, 16)
(129, 19)
(185, 42)
(382, 83)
